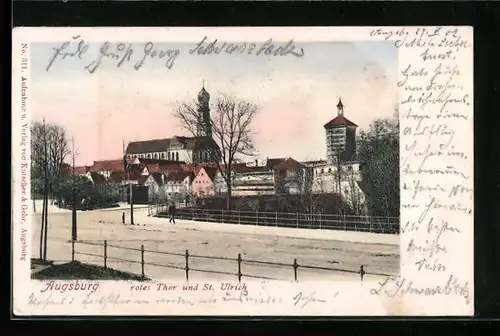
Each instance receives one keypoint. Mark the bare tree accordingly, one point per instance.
(353, 193)
(49, 148)
(230, 124)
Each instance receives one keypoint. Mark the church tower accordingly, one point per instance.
(204, 123)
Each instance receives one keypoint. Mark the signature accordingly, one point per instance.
(302, 300)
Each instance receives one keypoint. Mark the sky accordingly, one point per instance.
(296, 96)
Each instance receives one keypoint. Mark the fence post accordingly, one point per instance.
(297, 220)
(105, 254)
(187, 265)
(276, 218)
(239, 217)
(257, 220)
(142, 261)
(72, 250)
(370, 227)
(239, 267)
(320, 215)
(295, 267)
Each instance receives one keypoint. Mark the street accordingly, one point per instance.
(208, 239)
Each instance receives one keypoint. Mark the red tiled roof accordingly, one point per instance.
(236, 167)
(107, 165)
(97, 178)
(82, 170)
(142, 179)
(339, 121)
(131, 160)
(158, 178)
(161, 162)
(289, 164)
(179, 176)
(153, 168)
(271, 163)
(134, 172)
(117, 177)
(210, 171)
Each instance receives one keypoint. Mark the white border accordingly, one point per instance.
(352, 299)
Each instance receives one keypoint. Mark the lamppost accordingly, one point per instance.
(131, 202)
(74, 235)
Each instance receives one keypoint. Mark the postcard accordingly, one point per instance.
(242, 171)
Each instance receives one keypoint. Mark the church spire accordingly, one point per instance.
(340, 108)
(204, 122)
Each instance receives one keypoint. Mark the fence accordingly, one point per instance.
(286, 219)
(239, 261)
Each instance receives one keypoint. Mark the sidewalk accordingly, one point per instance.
(55, 209)
(348, 236)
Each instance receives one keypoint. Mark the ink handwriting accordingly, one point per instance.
(118, 54)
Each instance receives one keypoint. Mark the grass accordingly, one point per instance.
(77, 270)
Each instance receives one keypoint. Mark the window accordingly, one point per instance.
(321, 170)
(329, 170)
(149, 156)
(156, 155)
(162, 155)
(176, 156)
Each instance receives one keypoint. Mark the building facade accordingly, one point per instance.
(178, 185)
(292, 177)
(203, 184)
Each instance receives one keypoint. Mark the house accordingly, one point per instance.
(106, 167)
(292, 177)
(203, 182)
(178, 185)
(247, 181)
(155, 183)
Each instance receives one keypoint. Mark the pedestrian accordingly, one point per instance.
(362, 272)
(171, 212)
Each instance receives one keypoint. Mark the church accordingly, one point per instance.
(196, 149)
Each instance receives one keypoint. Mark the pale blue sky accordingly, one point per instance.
(296, 95)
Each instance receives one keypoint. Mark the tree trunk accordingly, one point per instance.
(228, 196)
(46, 221)
(42, 227)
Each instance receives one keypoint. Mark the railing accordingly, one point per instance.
(289, 220)
(239, 262)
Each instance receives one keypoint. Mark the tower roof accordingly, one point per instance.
(203, 94)
(339, 121)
